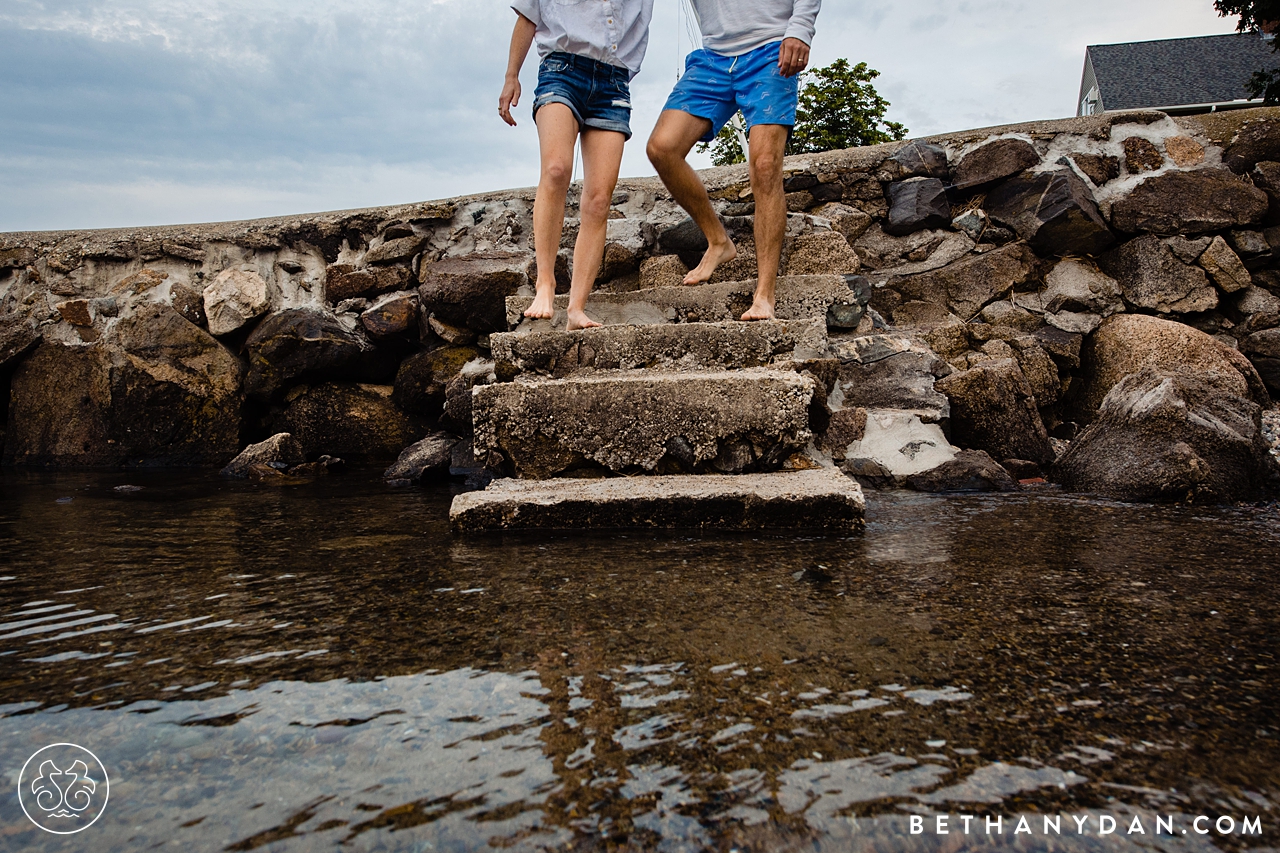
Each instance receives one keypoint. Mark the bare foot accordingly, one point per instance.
(761, 309)
(580, 320)
(716, 255)
(544, 305)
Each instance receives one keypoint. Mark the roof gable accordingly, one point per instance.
(1175, 72)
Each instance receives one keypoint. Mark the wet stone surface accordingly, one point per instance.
(266, 668)
(1271, 431)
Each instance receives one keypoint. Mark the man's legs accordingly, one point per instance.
(673, 138)
(557, 132)
(601, 160)
(768, 146)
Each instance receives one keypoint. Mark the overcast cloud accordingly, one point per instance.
(141, 112)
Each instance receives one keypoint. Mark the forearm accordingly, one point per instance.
(521, 41)
(804, 19)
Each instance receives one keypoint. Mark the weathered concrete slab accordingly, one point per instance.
(800, 297)
(698, 422)
(683, 346)
(817, 499)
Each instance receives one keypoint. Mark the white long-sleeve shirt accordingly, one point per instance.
(735, 27)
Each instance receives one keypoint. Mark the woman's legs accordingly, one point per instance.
(557, 133)
(601, 161)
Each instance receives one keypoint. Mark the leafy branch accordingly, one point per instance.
(839, 108)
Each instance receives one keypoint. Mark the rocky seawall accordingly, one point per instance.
(1092, 301)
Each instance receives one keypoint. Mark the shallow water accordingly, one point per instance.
(325, 666)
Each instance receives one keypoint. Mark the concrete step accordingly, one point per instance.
(816, 499)
(684, 346)
(643, 422)
(802, 297)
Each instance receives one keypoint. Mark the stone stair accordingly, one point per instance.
(730, 345)
(804, 297)
(643, 422)
(672, 414)
(823, 499)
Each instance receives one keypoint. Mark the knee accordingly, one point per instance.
(660, 154)
(594, 205)
(766, 166)
(557, 173)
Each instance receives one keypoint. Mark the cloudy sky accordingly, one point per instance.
(143, 112)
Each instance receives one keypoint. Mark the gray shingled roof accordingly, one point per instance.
(1175, 72)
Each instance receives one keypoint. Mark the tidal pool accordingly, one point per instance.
(326, 667)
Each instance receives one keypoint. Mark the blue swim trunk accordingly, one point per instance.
(715, 86)
(598, 94)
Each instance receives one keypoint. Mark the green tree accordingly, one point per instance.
(839, 108)
(1256, 15)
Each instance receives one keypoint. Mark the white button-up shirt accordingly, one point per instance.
(615, 32)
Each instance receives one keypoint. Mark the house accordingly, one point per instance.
(1180, 76)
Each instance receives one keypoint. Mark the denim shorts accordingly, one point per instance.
(598, 94)
(715, 86)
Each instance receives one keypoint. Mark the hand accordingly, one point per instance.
(793, 58)
(510, 98)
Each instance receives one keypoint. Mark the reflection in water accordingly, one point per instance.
(284, 670)
(456, 753)
(822, 791)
